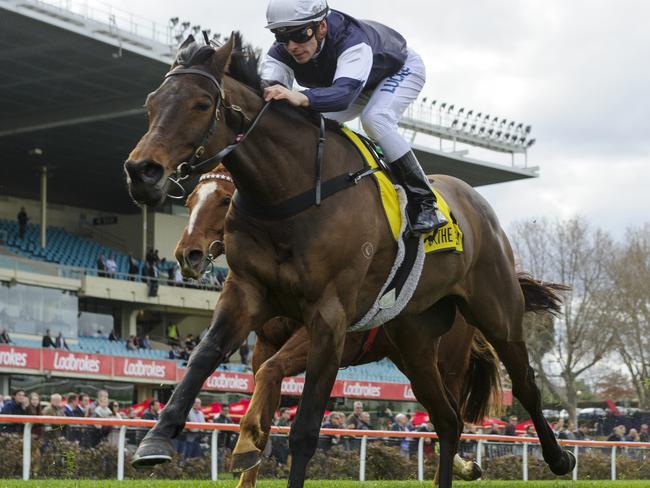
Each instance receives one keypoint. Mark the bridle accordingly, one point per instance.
(193, 165)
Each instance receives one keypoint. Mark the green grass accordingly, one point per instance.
(320, 484)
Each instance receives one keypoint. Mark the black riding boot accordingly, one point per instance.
(422, 210)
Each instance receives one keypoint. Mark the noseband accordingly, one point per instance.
(195, 164)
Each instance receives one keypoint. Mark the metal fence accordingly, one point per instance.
(477, 447)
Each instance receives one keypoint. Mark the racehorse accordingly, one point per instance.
(324, 265)
(468, 365)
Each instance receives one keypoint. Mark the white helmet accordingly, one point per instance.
(290, 13)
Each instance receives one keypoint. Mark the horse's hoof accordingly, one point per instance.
(565, 464)
(151, 451)
(245, 461)
(476, 473)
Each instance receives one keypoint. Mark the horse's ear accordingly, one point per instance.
(221, 57)
(188, 40)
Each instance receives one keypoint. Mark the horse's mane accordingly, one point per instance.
(244, 67)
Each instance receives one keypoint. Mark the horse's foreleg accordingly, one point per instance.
(240, 309)
(326, 336)
(255, 426)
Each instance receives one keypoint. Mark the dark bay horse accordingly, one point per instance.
(468, 364)
(324, 266)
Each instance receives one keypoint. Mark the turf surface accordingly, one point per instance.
(319, 484)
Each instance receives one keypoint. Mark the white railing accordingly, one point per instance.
(483, 442)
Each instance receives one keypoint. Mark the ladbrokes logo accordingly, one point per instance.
(292, 387)
(223, 382)
(356, 389)
(144, 370)
(70, 362)
(13, 358)
(408, 393)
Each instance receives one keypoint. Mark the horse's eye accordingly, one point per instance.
(201, 107)
(225, 202)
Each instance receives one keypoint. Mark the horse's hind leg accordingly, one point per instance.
(416, 341)
(498, 314)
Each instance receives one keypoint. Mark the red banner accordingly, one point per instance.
(155, 370)
(20, 357)
(163, 371)
(77, 363)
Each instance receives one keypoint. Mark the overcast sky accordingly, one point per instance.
(578, 71)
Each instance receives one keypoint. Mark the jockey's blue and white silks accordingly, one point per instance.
(364, 69)
(354, 55)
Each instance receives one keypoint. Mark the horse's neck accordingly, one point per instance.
(277, 159)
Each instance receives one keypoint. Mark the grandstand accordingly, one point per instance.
(65, 128)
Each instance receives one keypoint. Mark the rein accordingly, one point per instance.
(282, 210)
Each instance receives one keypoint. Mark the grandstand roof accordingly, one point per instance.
(74, 87)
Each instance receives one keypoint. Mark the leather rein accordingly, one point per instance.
(282, 210)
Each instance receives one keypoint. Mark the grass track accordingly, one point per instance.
(319, 484)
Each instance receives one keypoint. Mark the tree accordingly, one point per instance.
(574, 254)
(630, 273)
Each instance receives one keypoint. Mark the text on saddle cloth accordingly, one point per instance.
(447, 238)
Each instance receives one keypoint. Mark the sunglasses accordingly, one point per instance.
(299, 35)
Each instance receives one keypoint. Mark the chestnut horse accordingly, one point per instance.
(324, 265)
(468, 364)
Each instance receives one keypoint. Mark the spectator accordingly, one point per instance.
(134, 268)
(192, 448)
(101, 265)
(4, 337)
(400, 424)
(244, 350)
(54, 409)
(145, 343)
(529, 431)
(132, 343)
(185, 354)
(511, 428)
(60, 342)
(172, 334)
(364, 421)
(190, 342)
(131, 413)
(15, 406)
(111, 267)
(153, 412)
(71, 405)
(582, 434)
(47, 339)
(644, 436)
(567, 432)
(114, 434)
(335, 421)
(226, 440)
(178, 275)
(633, 436)
(113, 336)
(280, 445)
(175, 352)
(617, 434)
(495, 430)
(2, 402)
(352, 422)
(102, 408)
(22, 222)
(34, 404)
(428, 441)
(83, 408)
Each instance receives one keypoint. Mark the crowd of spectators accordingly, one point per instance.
(59, 342)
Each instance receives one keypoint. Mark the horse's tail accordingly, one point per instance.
(482, 385)
(541, 296)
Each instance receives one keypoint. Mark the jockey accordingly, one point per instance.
(351, 68)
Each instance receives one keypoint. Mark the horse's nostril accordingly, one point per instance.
(151, 172)
(194, 257)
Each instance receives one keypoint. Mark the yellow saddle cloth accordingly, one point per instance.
(448, 238)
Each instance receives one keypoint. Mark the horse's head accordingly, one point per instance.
(202, 239)
(182, 115)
